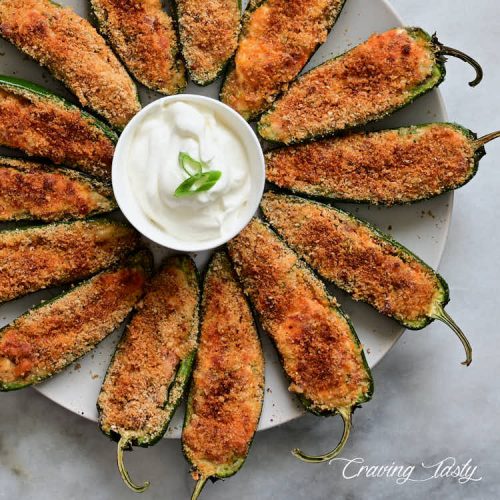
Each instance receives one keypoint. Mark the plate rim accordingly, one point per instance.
(397, 336)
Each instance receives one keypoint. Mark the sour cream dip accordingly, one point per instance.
(194, 170)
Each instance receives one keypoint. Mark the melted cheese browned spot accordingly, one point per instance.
(366, 83)
(320, 355)
(44, 256)
(47, 339)
(393, 166)
(225, 401)
(73, 51)
(161, 334)
(209, 35)
(48, 129)
(277, 40)
(144, 37)
(33, 191)
(352, 256)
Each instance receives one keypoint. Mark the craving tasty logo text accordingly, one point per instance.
(449, 468)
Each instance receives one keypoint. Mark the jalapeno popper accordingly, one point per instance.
(225, 399)
(51, 336)
(277, 40)
(143, 35)
(362, 261)
(320, 351)
(369, 82)
(390, 167)
(72, 50)
(152, 364)
(209, 36)
(41, 124)
(33, 191)
(38, 257)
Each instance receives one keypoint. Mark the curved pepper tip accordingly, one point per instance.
(124, 444)
(346, 414)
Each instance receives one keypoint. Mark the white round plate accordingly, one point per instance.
(422, 227)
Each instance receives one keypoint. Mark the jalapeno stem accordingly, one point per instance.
(482, 141)
(448, 51)
(199, 486)
(346, 414)
(443, 316)
(123, 444)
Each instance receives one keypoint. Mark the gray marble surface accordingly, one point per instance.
(427, 407)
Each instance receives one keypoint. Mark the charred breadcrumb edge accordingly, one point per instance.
(29, 90)
(34, 227)
(92, 183)
(224, 472)
(23, 165)
(479, 154)
(48, 227)
(98, 19)
(98, 110)
(309, 405)
(437, 77)
(404, 253)
(182, 376)
(142, 260)
(230, 66)
(208, 77)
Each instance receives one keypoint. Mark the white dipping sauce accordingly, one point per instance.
(154, 172)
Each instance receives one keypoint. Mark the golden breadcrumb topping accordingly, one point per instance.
(209, 35)
(43, 256)
(316, 343)
(73, 51)
(366, 83)
(46, 128)
(49, 338)
(144, 37)
(388, 167)
(352, 256)
(278, 38)
(136, 398)
(31, 190)
(227, 391)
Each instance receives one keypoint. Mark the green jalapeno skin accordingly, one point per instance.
(278, 38)
(152, 364)
(227, 390)
(54, 334)
(318, 346)
(38, 192)
(71, 49)
(208, 33)
(47, 126)
(388, 167)
(36, 257)
(363, 261)
(384, 74)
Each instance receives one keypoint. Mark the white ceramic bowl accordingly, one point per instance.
(124, 191)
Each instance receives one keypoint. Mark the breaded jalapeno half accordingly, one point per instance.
(33, 258)
(319, 349)
(72, 50)
(371, 81)
(227, 390)
(277, 40)
(209, 35)
(389, 167)
(361, 260)
(144, 37)
(40, 124)
(152, 364)
(34, 191)
(56, 333)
